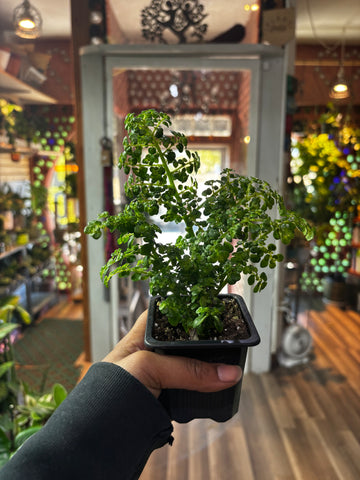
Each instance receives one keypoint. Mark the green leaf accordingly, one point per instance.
(265, 261)
(59, 393)
(4, 367)
(5, 444)
(159, 133)
(24, 315)
(7, 328)
(9, 300)
(24, 435)
(6, 311)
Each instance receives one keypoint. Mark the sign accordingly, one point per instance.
(278, 26)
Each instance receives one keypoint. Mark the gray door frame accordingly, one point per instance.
(265, 157)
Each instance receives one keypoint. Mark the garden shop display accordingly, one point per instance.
(22, 412)
(229, 231)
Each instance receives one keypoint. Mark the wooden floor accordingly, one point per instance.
(301, 423)
(65, 308)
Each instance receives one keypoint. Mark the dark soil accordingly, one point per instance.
(235, 327)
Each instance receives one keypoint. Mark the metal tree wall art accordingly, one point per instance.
(181, 18)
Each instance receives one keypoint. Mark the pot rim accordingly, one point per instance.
(252, 340)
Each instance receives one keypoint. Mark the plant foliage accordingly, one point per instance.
(325, 181)
(22, 412)
(227, 227)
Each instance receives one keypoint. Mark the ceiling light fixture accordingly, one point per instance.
(27, 21)
(340, 88)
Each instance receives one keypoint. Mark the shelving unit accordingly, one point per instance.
(34, 294)
(12, 251)
(21, 146)
(20, 92)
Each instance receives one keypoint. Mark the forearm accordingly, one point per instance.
(106, 428)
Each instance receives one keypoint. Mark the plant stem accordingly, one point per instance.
(169, 174)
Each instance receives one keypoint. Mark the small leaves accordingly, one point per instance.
(229, 228)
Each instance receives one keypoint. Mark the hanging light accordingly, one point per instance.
(27, 21)
(340, 88)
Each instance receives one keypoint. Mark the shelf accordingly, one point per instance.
(20, 92)
(34, 300)
(11, 251)
(22, 146)
(40, 300)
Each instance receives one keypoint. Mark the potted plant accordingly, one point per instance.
(10, 310)
(22, 412)
(226, 231)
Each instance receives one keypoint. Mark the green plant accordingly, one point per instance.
(324, 180)
(9, 310)
(23, 412)
(24, 419)
(227, 226)
(8, 115)
(21, 123)
(39, 198)
(10, 200)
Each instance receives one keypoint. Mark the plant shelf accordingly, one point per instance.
(20, 92)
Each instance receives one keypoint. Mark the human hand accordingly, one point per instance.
(162, 371)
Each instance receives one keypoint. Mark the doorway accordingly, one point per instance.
(166, 74)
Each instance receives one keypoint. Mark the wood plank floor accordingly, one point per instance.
(294, 424)
(65, 308)
(301, 423)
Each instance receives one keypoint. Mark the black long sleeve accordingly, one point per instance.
(105, 429)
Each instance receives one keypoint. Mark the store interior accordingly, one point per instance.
(65, 91)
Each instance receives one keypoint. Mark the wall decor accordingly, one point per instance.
(182, 19)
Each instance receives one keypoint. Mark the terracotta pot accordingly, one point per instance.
(185, 405)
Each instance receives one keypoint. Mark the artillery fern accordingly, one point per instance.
(227, 227)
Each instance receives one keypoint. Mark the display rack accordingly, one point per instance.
(20, 92)
(35, 294)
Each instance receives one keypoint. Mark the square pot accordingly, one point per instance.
(185, 405)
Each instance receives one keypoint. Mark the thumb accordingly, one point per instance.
(160, 371)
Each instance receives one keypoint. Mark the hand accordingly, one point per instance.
(160, 371)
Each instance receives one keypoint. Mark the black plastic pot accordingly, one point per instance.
(185, 405)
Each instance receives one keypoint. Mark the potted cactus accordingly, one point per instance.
(228, 232)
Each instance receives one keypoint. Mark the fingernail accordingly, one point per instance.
(229, 373)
